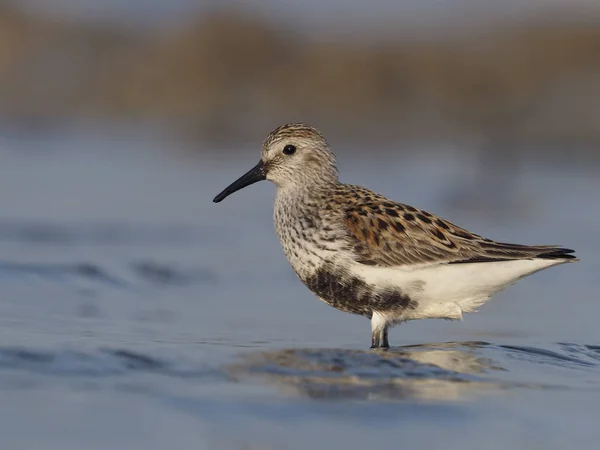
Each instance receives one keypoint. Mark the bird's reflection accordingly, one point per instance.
(445, 371)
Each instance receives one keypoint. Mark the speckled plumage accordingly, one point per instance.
(365, 254)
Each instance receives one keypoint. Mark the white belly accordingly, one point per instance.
(449, 290)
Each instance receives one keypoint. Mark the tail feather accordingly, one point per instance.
(558, 253)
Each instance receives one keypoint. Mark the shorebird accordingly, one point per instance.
(364, 254)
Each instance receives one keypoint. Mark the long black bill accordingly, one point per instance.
(254, 175)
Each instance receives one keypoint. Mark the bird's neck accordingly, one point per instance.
(304, 194)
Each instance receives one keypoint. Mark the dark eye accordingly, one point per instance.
(289, 149)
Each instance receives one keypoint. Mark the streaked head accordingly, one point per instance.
(293, 155)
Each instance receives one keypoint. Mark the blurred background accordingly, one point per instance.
(124, 291)
(225, 72)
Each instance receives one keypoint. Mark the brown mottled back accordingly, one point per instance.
(388, 234)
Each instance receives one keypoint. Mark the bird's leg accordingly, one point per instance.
(379, 331)
(379, 338)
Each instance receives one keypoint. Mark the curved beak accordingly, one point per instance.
(254, 175)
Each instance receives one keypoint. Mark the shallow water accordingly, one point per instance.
(135, 313)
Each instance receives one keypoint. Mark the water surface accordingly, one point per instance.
(135, 313)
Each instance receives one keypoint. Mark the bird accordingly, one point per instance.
(365, 254)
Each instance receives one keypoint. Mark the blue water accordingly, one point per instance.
(135, 313)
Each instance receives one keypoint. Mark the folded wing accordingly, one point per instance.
(388, 234)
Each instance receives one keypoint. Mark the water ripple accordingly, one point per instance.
(155, 273)
(99, 233)
(60, 272)
(101, 363)
(572, 355)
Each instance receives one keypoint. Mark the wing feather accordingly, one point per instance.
(389, 234)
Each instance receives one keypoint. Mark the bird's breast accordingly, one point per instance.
(302, 247)
(308, 240)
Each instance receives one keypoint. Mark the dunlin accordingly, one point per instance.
(365, 254)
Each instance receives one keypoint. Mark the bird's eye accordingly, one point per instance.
(289, 149)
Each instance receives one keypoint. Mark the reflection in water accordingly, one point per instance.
(433, 372)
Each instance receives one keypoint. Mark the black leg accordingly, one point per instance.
(384, 339)
(379, 338)
(374, 340)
